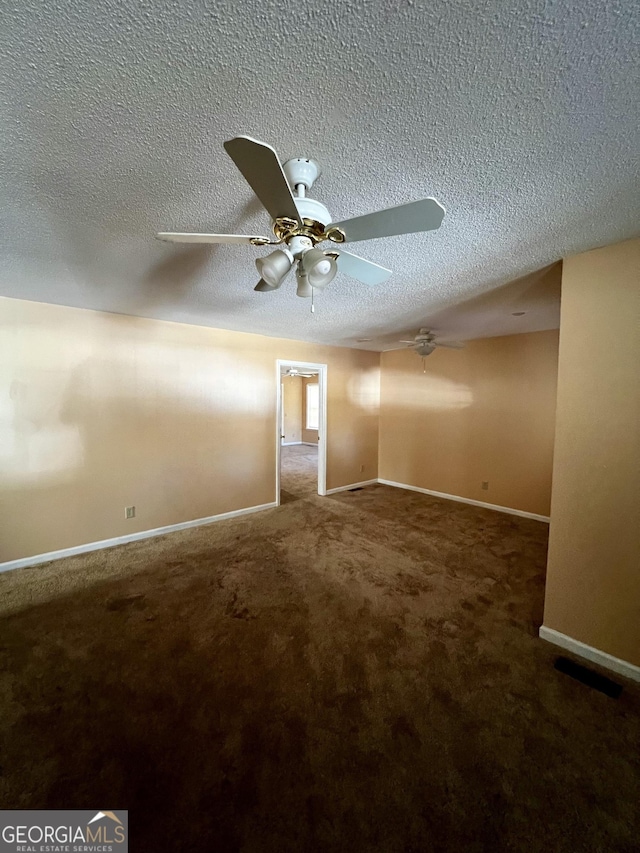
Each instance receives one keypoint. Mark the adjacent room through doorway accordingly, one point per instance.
(300, 413)
(298, 472)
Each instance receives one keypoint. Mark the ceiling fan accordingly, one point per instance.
(292, 371)
(301, 223)
(425, 342)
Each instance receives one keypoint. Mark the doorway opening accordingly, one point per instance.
(301, 420)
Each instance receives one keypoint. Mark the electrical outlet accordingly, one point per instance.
(485, 485)
(129, 512)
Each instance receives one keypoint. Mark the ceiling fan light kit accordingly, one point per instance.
(300, 223)
(275, 267)
(320, 268)
(304, 288)
(424, 348)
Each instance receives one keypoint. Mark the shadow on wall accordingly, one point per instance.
(455, 451)
(432, 455)
(490, 419)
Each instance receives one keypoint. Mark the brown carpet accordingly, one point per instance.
(298, 472)
(352, 673)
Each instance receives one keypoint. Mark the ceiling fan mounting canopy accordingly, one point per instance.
(300, 171)
(424, 335)
(301, 223)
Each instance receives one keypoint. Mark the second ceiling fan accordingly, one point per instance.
(301, 223)
(292, 372)
(425, 342)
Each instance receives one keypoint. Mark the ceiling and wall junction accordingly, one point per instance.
(521, 120)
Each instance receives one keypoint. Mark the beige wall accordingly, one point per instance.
(485, 412)
(292, 408)
(310, 435)
(101, 411)
(593, 575)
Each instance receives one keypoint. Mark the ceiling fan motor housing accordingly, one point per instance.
(309, 208)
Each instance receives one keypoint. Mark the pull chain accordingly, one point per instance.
(313, 307)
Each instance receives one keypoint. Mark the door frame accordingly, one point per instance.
(322, 420)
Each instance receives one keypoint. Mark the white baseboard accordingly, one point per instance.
(131, 537)
(621, 667)
(289, 443)
(310, 443)
(352, 486)
(484, 505)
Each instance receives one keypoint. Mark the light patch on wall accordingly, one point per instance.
(35, 443)
(364, 390)
(426, 391)
(41, 439)
(210, 379)
(38, 439)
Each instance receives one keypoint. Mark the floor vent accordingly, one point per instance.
(588, 677)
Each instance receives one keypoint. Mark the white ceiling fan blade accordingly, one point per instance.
(392, 347)
(450, 344)
(187, 237)
(424, 215)
(261, 169)
(365, 271)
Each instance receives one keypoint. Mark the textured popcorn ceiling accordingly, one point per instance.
(521, 118)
